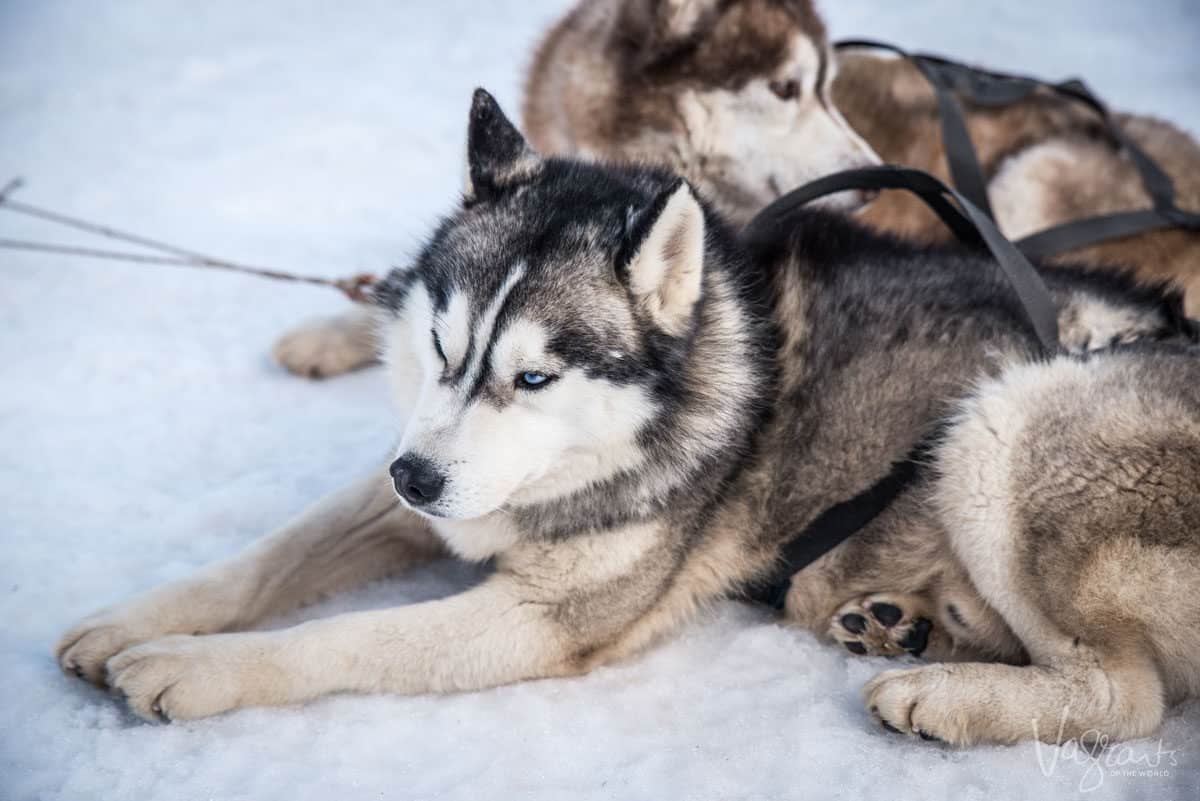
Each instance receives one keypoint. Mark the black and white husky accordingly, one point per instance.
(601, 390)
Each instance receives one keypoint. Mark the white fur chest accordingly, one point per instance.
(480, 538)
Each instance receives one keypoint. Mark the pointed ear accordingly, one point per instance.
(678, 19)
(497, 154)
(664, 273)
(658, 26)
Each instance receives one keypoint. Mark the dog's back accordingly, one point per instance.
(1048, 162)
(880, 338)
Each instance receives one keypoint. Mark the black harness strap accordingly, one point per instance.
(968, 222)
(993, 89)
(1094, 230)
(841, 521)
(945, 78)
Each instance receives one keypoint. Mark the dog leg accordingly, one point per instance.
(1089, 696)
(329, 346)
(550, 609)
(499, 632)
(355, 535)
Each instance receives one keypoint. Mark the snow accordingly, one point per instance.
(145, 432)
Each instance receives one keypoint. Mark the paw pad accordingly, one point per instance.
(854, 623)
(883, 625)
(887, 614)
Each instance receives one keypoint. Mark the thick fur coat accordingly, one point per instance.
(601, 390)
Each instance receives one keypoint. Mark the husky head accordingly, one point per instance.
(548, 338)
(740, 91)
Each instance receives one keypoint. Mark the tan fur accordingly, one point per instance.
(903, 560)
(352, 537)
(329, 346)
(535, 617)
(1102, 597)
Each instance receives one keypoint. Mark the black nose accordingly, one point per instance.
(416, 479)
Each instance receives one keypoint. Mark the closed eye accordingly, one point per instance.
(437, 347)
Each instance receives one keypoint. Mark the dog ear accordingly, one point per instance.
(678, 19)
(655, 27)
(666, 261)
(497, 155)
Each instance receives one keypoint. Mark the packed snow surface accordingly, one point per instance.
(144, 431)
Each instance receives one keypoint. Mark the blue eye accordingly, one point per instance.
(532, 380)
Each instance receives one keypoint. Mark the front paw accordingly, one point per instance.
(184, 677)
(87, 646)
(920, 701)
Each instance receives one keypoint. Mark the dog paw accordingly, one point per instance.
(883, 624)
(919, 702)
(183, 677)
(326, 347)
(85, 649)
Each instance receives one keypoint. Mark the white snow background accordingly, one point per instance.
(144, 431)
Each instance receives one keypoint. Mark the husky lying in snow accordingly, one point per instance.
(742, 98)
(603, 392)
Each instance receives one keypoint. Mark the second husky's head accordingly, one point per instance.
(734, 94)
(539, 345)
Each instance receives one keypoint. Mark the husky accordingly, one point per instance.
(746, 99)
(604, 391)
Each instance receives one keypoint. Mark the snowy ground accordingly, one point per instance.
(144, 431)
